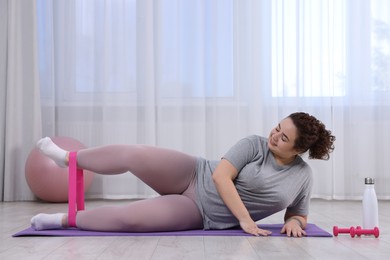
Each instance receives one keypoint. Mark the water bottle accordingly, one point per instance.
(370, 205)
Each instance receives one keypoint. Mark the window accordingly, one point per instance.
(380, 37)
(195, 48)
(308, 48)
(97, 47)
(105, 46)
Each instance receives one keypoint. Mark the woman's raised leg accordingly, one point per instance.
(166, 171)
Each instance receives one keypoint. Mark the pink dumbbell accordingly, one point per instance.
(360, 231)
(337, 230)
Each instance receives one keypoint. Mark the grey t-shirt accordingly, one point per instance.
(264, 186)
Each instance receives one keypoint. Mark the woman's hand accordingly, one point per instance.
(250, 227)
(293, 228)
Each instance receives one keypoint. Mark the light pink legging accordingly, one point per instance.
(170, 173)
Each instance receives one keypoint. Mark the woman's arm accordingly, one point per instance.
(294, 225)
(223, 177)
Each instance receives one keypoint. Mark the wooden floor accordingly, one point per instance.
(15, 216)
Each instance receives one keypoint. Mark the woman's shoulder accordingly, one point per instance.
(304, 167)
(246, 149)
(260, 142)
(257, 139)
(302, 163)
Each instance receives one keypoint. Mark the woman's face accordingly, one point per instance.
(281, 140)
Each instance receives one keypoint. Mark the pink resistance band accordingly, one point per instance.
(75, 189)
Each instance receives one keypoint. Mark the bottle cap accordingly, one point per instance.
(369, 180)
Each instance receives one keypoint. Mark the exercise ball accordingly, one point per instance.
(46, 179)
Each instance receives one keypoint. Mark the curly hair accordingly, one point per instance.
(312, 136)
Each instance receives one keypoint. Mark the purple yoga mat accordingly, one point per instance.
(311, 231)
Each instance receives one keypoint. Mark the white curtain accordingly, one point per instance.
(20, 110)
(199, 75)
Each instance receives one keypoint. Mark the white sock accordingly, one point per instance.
(47, 221)
(50, 149)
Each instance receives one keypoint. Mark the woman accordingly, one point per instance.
(256, 178)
